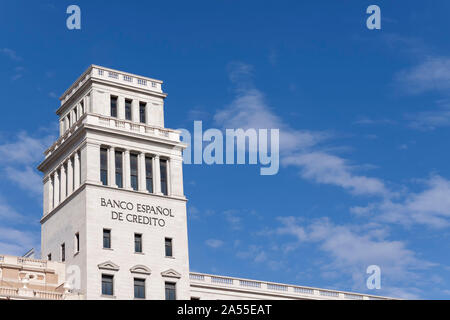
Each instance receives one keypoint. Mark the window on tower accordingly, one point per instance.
(63, 252)
(119, 169)
(77, 242)
(139, 288)
(113, 106)
(138, 243)
(128, 109)
(104, 166)
(163, 170)
(134, 171)
(149, 174)
(142, 106)
(106, 238)
(168, 247)
(171, 291)
(107, 285)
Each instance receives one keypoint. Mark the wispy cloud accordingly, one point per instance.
(433, 119)
(214, 243)
(10, 54)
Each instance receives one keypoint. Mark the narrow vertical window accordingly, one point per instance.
(134, 171)
(63, 252)
(168, 245)
(139, 288)
(68, 121)
(82, 108)
(113, 106)
(149, 174)
(119, 169)
(77, 242)
(107, 285)
(170, 291)
(104, 166)
(128, 109)
(142, 117)
(138, 243)
(163, 170)
(49, 257)
(106, 239)
(75, 116)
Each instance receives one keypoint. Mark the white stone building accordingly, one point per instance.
(114, 205)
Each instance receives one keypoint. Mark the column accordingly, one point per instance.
(50, 193)
(126, 170)
(90, 163)
(176, 177)
(135, 110)
(156, 175)
(46, 195)
(169, 180)
(121, 108)
(63, 183)
(56, 189)
(141, 172)
(76, 170)
(69, 176)
(112, 167)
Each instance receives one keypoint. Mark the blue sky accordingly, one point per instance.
(364, 118)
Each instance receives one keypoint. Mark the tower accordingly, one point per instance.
(114, 208)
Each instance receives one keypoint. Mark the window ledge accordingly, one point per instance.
(141, 253)
(108, 297)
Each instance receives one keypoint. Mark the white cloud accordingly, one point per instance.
(433, 119)
(26, 178)
(10, 54)
(15, 242)
(433, 74)
(25, 149)
(214, 243)
(430, 207)
(298, 148)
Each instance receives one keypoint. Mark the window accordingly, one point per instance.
(139, 288)
(134, 171)
(82, 107)
(75, 115)
(168, 245)
(128, 109)
(104, 166)
(68, 121)
(63, 252)
(107, 285)
(119, 176)
(49, 257)
(77, 242)
(149, 174)
(106, 239)
(163, 170)
(170, 291)
(114, 107)
(142, 106)
(138, 242)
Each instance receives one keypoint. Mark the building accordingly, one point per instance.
(114, 205)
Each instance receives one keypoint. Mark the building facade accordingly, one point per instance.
(114, 206)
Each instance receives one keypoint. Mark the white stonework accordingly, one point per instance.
(78, 206)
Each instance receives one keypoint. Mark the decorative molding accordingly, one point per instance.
(141, 269)
(109, 265)
(171, 274)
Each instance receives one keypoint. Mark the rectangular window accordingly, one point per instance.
(139, 288)
(138, 242)
(134, 171)
(107, 285)
(63, 252)
(113, 106)
(149, 174)
(106, 239)
(142, 117)
(128, 109)
(77, 242)
(168, 245)
(49, 257)
(119, 169)
(171, 291)
(163, 170)
(104, 166)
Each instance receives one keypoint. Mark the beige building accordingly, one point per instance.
(114, 207)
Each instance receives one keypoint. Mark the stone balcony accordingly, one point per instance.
(270, 288)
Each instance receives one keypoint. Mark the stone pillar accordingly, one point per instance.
(69, 176)
(156, 176)
(50, 193)
(56, 189)
(76, 170)
(141, 172)
(63, 183)
(126, 170)
(112, 167)
(46, 195)
(121, 108)
(90, 163)
(176, 177)
(135, 110)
